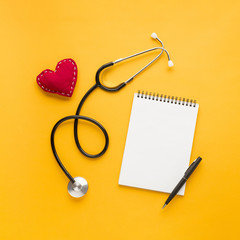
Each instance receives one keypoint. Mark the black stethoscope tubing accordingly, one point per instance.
(77, 117)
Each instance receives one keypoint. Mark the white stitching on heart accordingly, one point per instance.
(49, 90)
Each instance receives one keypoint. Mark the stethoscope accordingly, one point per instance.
(78, 186)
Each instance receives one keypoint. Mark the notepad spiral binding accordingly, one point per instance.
(166, 98)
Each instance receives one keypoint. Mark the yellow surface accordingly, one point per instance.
(203, 40)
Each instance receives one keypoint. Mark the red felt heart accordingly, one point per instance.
(61, 81)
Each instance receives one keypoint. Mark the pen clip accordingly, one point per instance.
(192, 167)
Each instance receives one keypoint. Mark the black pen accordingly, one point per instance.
(187, 174)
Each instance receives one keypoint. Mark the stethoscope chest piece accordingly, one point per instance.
(78, 188)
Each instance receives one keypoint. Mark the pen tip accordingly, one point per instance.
(164, 206)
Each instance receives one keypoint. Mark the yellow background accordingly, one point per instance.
(203, 40)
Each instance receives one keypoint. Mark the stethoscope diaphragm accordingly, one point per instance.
(78, 188)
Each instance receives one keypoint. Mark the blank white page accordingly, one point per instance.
(158, 145)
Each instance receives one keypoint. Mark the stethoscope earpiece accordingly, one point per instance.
(78, 188)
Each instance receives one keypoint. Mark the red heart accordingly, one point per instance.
(62, 81)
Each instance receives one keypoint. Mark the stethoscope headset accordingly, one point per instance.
(78, 186)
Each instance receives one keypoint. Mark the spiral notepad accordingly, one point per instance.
(159, 141)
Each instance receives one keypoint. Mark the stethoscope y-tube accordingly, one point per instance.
(78, 186)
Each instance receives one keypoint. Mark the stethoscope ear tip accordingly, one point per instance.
(78, 188)
(170, 63)
(154, 35)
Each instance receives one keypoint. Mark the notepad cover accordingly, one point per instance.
(159, 143)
